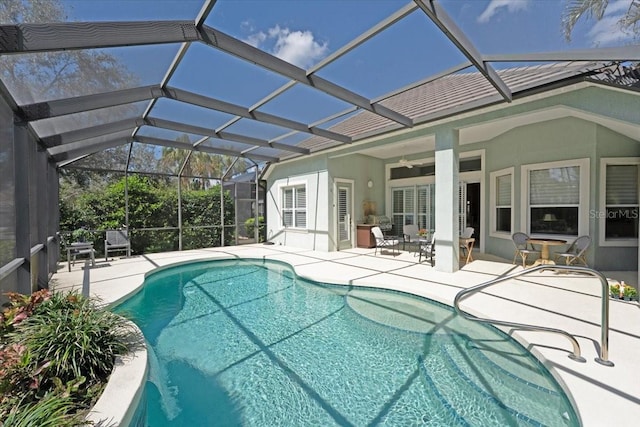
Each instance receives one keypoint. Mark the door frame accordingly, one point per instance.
(336, 231)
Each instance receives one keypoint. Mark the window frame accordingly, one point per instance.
(600, 215)
(493, 177)
(583, 196)
(295, 209)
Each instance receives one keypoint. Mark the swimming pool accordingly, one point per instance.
(246, 342)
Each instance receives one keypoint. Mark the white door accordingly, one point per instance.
(344, 215)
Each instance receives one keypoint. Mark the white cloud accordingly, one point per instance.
(494, 5)
(607, 31)
(296, 47)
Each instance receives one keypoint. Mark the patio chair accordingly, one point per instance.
(466, 234)
(116, 240)
(576, 251)
(383, 242)
(409, 234)
(523, 247)
(428, 250)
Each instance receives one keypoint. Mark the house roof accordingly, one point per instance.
(465, 91)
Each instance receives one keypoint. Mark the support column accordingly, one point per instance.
(447, 233)
(21, 175)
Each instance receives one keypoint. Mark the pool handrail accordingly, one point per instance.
(604, 333)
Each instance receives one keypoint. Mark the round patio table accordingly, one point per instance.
(544, 252)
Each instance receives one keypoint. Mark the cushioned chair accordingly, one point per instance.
(576, 252)
(409, 234)
(384, 242)
(523, 247)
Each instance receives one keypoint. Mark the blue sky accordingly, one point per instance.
(304, 32)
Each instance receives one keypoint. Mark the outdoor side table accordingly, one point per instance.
(80, 248)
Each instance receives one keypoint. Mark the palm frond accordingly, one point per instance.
(576, 9)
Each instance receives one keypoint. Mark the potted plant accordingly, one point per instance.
(630, 293)
(615, 291)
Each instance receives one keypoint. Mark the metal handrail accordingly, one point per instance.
(604, 339)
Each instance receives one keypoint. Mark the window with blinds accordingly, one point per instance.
(294, 207)
(503, 203)
(621, 216)
(414, 205)
(554, 200)
(402, 208)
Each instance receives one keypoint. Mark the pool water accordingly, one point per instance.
(247, 343)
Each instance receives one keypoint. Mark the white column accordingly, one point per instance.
(447, 233)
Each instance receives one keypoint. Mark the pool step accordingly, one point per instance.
(471, 405)
(473, 386)
(535, 404)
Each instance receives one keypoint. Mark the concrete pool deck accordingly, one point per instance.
(603, 396)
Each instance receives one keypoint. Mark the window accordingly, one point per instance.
(619, 215)
(294, 207)
(408, 209)
(502, 201)
(402, 208)
(557, 197)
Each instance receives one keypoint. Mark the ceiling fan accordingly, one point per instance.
(404, 162)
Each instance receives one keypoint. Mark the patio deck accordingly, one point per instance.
(602, 395)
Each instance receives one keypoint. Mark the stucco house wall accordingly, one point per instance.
(583, 122)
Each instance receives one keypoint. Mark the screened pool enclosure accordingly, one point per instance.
(161, 118)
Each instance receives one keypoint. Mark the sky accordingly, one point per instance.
(303, 32)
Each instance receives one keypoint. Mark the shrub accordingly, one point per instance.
(56, 346)
(249, 226)
(630, 292)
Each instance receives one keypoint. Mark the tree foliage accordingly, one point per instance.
(595, 9)
(153, 204)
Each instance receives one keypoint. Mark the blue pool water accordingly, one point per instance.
(247, 343)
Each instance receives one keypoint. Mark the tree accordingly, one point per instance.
(595, 9)
(37, 77)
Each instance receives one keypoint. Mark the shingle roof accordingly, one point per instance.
(450, 94)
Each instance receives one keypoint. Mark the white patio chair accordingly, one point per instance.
(384, 242)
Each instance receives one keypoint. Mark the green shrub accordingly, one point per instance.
(249, 226)
(58, 346)
(51, 411)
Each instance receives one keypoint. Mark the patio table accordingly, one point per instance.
(544, 252)
(80, 248)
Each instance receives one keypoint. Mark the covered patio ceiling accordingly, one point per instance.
(274, 107)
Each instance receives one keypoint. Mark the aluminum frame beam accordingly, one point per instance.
(183, 145)
(227, 107)
(26, 38)
(212, 133)
(450, 29)
(78, 104)
(244, 51)
(30, 38)
(90, 132)
(621, 53)
(76, 149)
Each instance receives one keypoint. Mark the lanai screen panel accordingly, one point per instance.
(7, 186)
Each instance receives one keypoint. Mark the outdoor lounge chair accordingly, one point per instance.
(383, 242)
(116, 240)
(523, 247)
(576, 251)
